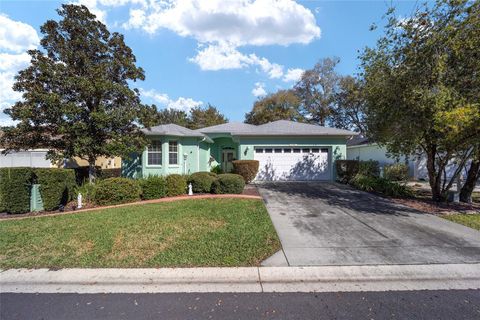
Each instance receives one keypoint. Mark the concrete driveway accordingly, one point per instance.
(327, 223)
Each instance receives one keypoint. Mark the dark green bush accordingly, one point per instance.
(176, 185)
(248, 169)
(153, 187)
(202, 181)
(81, 174)
(228, 183)
(369, 168)
(56, 186)
(217, 169)
(117, 190)
(88, 192)
(396, 172)
(381, 185)
(15, 186)
(346, 169)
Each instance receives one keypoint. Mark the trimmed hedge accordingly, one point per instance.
(56, 186)
(202, 181)
(248, 169)
(81, 173)
(381, 185)
(15, 187)
(396, 172)
(116, 191)
(346, 169)
(228, 183)
(176, 185)
(153, 187)
(369, 168)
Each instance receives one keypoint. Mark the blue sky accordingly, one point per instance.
(227, 53)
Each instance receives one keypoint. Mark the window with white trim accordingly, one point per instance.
(154, 153)
(172, 152)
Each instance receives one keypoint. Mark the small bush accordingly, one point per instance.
(176, 185)
(117, 190)
(217, 169)
(396, 172)
(202, 181)
(88, 192)
(346, 169)
(369, 168)
(153, 187)
(56, 186)
(15, 187)
(248, 169)
(381, 185)
(228, 183)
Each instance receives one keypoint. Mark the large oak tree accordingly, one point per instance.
(76, 95)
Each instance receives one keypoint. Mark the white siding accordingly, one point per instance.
(31, 158)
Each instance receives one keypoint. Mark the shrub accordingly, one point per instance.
(117, 190)
(15, 185)
(228, 183)
(369, 168)
(381, 185)
(217, 169)
(396, 172)
(81, 174)
(202, 181)
(56, 186)
(176, 185)
(153, 187)
(248, 169)
(346, 169)
(88, 192)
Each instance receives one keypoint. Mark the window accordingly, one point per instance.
(258, 150)
(315, 150)
(154, 153)
(324, 150)
(268, 150)
(306, 150)
(296, 150)
(278, 150)
(287, 150)
(172, 152)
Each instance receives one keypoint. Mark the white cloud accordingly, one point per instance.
(6, 122)
(93, 7)
(293, 75)
(240, 22)
(185, 104)
(16, 36)
(259, 90)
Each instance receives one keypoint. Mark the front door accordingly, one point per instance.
(227, 158)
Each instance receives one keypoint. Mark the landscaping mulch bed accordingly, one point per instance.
(251, 190)
(430, 206)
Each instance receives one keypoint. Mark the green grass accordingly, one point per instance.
(211, 232)
(469, 220)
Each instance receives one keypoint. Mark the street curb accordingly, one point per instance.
(246, 279)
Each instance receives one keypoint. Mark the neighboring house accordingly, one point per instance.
(360, 148)
(35, 158)
(286, 150)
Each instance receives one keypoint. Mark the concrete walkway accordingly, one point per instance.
(328, 223)
(254, 279)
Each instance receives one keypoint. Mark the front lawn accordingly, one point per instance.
(469, 220)
(210, 232)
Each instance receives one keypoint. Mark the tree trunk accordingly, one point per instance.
(434, 177)
(91, 170)
(472, 177)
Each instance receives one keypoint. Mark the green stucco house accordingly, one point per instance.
(286, 150)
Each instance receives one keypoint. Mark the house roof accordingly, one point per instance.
(173, 130)
(276, 128)
(357, 141)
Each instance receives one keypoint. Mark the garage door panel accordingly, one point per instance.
(293, 164)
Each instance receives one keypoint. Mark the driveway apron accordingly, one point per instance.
(327, 223)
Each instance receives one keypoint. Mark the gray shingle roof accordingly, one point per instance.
(357, 141)
(173, 130)
(276, 128)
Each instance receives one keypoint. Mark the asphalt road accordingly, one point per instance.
(452, 304)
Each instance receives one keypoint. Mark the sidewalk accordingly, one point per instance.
(251, 279)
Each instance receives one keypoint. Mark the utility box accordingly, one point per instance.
(36, 203)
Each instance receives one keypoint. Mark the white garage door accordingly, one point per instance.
(289, 163)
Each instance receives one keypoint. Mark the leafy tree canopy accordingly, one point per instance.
(422, 86)
(76, 95)
(282, 105)
(201, 117)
